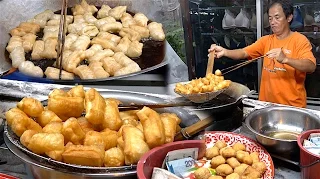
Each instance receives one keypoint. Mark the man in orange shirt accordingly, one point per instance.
(288, 58)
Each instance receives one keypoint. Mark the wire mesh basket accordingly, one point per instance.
(201, 97)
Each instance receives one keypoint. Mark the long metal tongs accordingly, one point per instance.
(237, 66)
(62, 35)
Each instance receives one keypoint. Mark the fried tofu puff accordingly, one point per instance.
(114, 157)
(240, 169)
(233, 162)
(233, 176)
(224, 170)
(202, 173)
(228, 152)
(251, 173)
(217, 161)
(220, 144)
(241, 154)
(212, 152)
(215, 177)
(260, 166)
(255, 157)
(32, 107)
(239, 146)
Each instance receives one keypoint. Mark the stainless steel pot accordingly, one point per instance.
(277, 128)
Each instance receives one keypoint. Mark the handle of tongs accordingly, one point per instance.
(62, 35)
(237, 66)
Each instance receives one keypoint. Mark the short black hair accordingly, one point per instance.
(286, 5)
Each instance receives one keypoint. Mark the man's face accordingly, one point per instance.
(277, 19)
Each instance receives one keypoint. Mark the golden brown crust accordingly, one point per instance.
(95, 107)
(152, 127)
(32, 107)
(66, 107)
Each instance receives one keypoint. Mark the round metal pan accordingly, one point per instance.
(125, 97)
(15, 10)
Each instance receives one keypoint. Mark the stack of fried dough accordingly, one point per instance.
(81, 127)
(232, 162)
(210, 83)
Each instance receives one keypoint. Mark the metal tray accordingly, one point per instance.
(128, 97)
(15, 11)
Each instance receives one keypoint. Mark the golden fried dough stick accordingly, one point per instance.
(77, 91)
(83, 155)
(95, 107)
(72, 131)
(114, 157)
(66, 107)
(32, 107)
(110, 137)
(20, 122)
(112, 118)
(47, 117)
(51, 144)
(152, 127)
(170, 126)
(94, 138)
(134, 144)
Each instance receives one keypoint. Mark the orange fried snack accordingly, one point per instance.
(20, 122)
(83, 155)
(32, 107)
(95, 107)
(66, 107)
(153, 128)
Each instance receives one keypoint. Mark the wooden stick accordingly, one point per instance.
(210, 63)
(189, 131)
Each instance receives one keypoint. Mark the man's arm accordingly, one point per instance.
(304, 65)
(236, 54)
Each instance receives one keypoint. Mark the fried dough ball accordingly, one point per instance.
(224, 170)
(239, 146)
(240, 169)
(217, 161)
(240, 155)
(215, 177)
(250, 173)
(202, 173)
(233, 176)
(260, 166)
(228, 152)
(222, 149)
(220, 144)
(255, 157)
(247, 160)
(212, 152)
(218, 72)
(233, 162)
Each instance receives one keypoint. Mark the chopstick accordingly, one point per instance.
(239, 65)
(62, 35)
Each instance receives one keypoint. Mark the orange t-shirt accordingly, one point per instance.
(281, 83)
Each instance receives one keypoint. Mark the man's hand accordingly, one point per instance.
(219, 51)
(277, 54)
